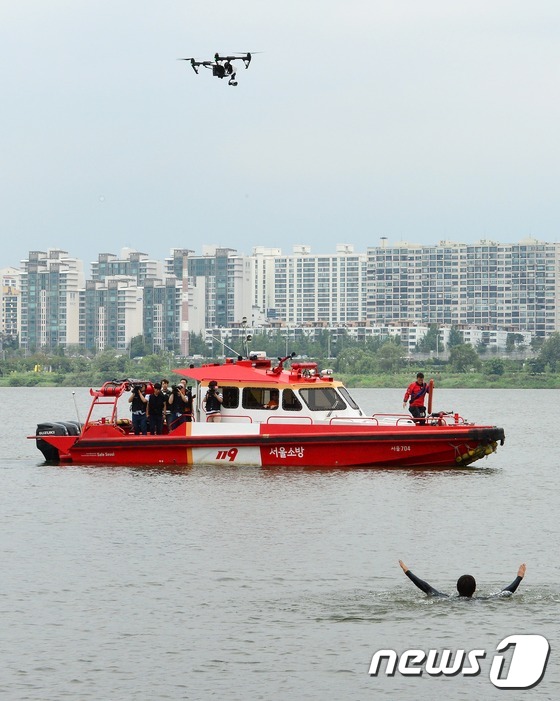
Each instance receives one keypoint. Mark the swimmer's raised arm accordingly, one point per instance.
(517, 581)
(420, 583)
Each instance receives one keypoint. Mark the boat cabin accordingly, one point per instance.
(255, 392)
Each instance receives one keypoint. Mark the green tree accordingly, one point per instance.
(494, 366)
(430, 342)
(534, 366)
(355, 361)
(550, 352)
(109, 365)
(138, 348)
(455, 338)
(197, 345)
(513, 341)
(464, 357)
(391, 356)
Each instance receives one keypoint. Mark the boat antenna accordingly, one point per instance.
(76, 406)
(224, 345)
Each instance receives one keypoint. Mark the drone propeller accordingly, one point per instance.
(195, 63)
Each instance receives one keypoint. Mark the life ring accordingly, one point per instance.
(430, 396)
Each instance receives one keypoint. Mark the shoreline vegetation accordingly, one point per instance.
(400, 381)
(442, 379)
(372, 365)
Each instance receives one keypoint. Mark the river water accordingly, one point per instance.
(245, 584)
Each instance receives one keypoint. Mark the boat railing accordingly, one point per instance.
(441, 418)
(354, 420)
(289, 420)
(393, 419)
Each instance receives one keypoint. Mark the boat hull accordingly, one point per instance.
(272, 445)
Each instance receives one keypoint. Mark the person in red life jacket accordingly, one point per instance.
(417, 392)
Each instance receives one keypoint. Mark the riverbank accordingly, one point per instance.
(449, 380)
(442, 379)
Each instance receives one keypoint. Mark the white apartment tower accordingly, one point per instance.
(10, 302)
(308, 289)
(50, 286)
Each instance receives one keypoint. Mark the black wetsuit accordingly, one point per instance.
(430, 591)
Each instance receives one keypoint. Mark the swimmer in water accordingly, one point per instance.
(466, 584)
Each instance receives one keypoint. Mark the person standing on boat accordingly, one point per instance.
(213, 403)
(180, 403)
(466, 584)
(138, 405)
(166, 392)
(155, 409)
(417, 392)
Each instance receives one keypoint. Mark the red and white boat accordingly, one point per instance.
(315, 423)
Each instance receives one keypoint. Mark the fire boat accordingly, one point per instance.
(273, 413)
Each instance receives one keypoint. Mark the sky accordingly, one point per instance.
(417, 121)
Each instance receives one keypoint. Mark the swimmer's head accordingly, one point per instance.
(466, 584)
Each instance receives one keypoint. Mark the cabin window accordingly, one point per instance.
(231, 397)
(253, 398)
(349, 400)
(260, 398)
(322, 399)
(289, 401)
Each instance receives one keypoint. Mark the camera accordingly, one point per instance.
(175, 388)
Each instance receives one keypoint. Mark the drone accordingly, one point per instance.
(222, 66)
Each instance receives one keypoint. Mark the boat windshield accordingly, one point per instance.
(349, 399)
(322, 398)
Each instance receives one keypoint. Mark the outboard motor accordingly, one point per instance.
(55, 428)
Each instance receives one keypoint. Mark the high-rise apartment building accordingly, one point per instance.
(10, 303)
(131, 263)
(176, 266)
(162, 324)
(111, 313)
(220, 288)
(513, 287)
(487, 286)
(50, 285)
(309, 288)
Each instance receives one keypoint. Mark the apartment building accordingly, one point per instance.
(50, 286)
(111, 313)
(220, 286)
(303, 288)
(513, 287)
(163, 327)
(487, 286)
(130, 263)
(10, 303)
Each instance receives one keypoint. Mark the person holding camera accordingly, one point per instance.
(155, 409)
(138, 405)
(166, 392)
(213, 403)
(180, 403)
